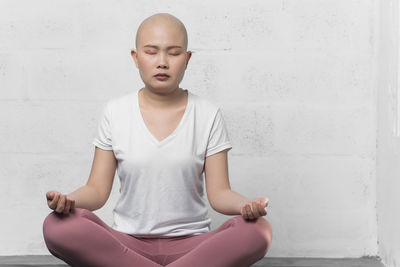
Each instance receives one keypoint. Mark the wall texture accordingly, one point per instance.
(388, 142)
(295, 81)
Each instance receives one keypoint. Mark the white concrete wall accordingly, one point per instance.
(388, 142)
(295, 80)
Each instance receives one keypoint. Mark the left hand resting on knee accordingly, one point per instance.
(255, 208)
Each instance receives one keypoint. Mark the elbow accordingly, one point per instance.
(102, 201)
(214, 203)
(100, 198)
(212, 206)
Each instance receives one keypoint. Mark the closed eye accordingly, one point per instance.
(153, 53)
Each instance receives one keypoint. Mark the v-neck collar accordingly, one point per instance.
(147, 131)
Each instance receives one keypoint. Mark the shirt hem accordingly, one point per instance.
(218, 149)
(96, 143)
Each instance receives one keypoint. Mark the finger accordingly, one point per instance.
(61, 204)
(260, 208)
(51, 200)
(252, 211)
(53, 203)
(256, 209)
(58, 203)
(67, 206)
(65, 202)
(252, 217)
(49, 195)
(249, 213)
(263, 210)
(244, 213)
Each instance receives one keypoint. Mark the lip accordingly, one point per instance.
(161, 75)
(162, 78)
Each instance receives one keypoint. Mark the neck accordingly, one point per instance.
(162, 100)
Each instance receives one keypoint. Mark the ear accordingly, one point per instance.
(189, 55)
(134, 56)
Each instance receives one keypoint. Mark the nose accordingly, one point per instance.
(162, 61)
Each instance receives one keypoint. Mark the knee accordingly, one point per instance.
(57, 227)
(260, 229)
(265, 230)
(51, 231)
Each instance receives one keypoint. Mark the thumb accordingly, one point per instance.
(266, 201)
(50, 195)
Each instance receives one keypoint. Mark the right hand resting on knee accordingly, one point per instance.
(59, 202)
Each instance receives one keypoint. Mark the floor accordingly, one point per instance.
(51, 261)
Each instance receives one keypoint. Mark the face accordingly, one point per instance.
(161, 50)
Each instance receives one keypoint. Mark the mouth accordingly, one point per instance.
(161, 76)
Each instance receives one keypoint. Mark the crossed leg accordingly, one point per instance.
(80, 238)
(236, 243)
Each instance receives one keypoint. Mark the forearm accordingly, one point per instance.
(229, 202)
(86, 197)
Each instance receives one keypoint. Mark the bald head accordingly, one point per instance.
(162, 20)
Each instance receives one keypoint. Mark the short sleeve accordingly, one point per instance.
(103, 138)
(219, 138)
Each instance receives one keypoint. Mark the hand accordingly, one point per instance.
(59, 202)
(255, 208)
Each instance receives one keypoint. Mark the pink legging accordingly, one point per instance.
(81, 238)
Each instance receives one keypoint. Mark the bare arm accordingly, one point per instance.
(220, 195)
(86, 197)
(95, 193)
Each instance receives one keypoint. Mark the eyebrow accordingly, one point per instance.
(169, 47)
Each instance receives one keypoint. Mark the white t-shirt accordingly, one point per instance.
(161, 182)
